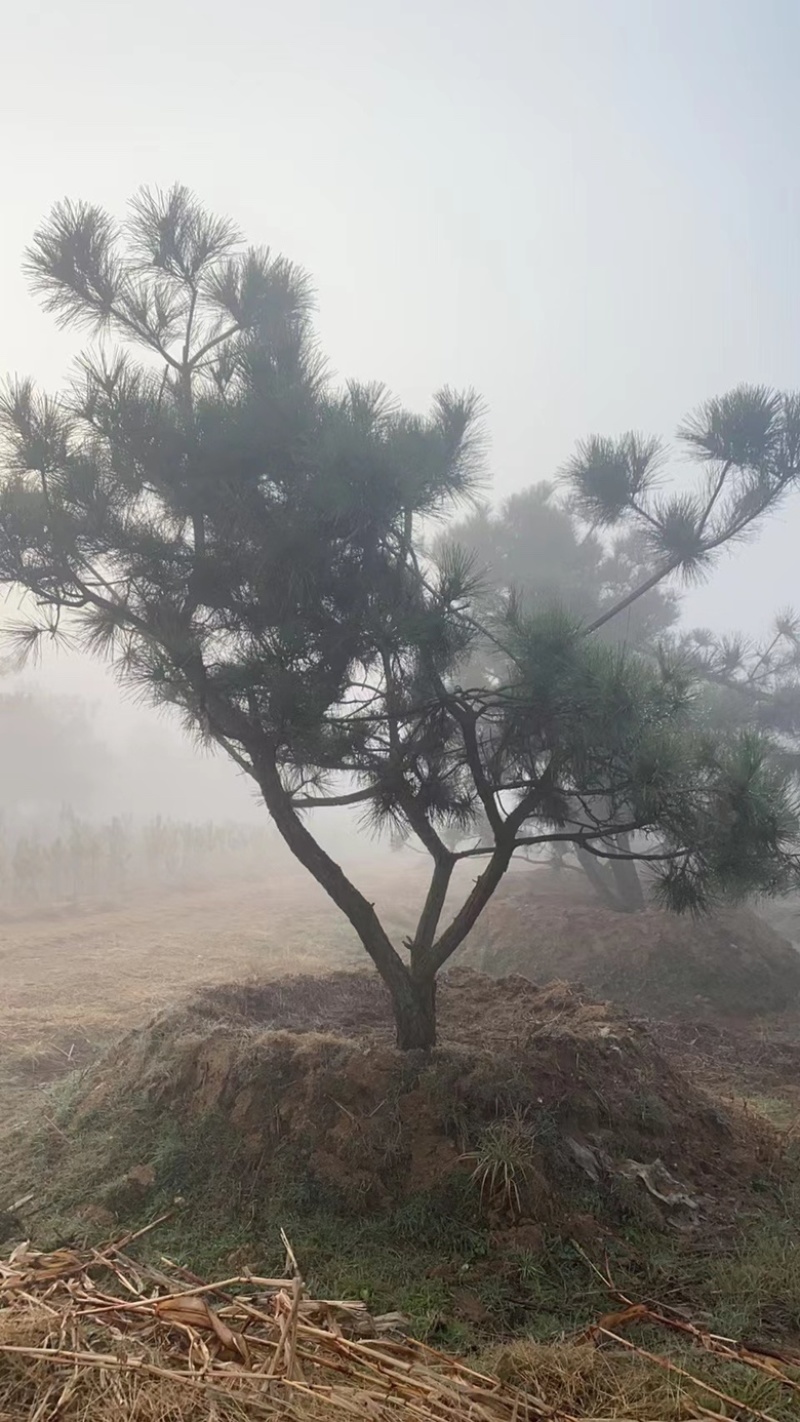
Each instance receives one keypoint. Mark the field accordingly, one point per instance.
(72, 975)
(500, 1270)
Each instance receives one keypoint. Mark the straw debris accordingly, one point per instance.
(97, 1334)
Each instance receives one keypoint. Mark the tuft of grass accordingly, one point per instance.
(505, 1162)
(778, 1110)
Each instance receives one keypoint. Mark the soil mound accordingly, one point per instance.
(256, 1095)
(658, 964)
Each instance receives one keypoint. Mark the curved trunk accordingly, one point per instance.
(598, 876)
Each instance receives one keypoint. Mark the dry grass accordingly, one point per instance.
(730, 964)
(96, 1335)
(588, 1381)
(585, 1380)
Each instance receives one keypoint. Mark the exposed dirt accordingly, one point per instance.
(295, 1084)
(755, 1062)
(731, 963)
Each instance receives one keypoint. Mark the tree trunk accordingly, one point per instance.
(598, 876)
(414, 1010)
(627, 882)
(412, 988)
(616, 881)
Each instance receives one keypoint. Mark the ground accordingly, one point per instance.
(550, 925)
(480, 1195)
(72, 978)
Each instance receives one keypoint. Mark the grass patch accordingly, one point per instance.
(461, 1282)
(583, 1380)
(781, 1112)
(505, 1165)
(756, 1285)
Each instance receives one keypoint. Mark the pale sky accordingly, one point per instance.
(587, 209)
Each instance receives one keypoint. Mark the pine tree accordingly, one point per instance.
(244, 539)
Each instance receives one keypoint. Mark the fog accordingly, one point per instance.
(79, 749)
(587, 211)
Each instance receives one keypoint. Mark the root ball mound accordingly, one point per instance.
(658, 964)
(259, 1098)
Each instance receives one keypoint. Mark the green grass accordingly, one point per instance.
(504, 1163)
(437, 1250)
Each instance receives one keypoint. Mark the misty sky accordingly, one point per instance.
(587, 209)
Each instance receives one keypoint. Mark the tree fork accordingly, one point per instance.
(413, 995)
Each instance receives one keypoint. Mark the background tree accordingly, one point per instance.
(51, 757)
(753, 681)
(242, 538)
(535, 545)
(535, 548)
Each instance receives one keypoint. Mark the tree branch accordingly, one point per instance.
(467, 720)
(709, 546)
(322, 802)
(189, 324)
(635, 858)
(215, 341)
(634, 596)
(432, 959)
(717, 490)
(580, 837)
(329, 875)
(414, 812)
(428, 923)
